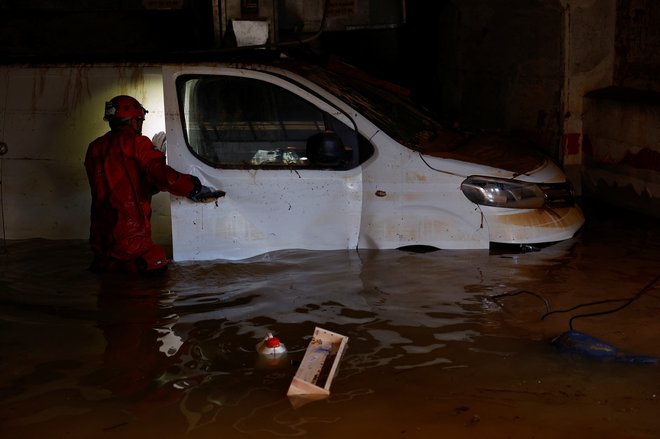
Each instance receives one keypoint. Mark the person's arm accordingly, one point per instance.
(160, 175)
(166, 178)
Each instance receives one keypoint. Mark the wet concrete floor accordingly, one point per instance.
(451, 344)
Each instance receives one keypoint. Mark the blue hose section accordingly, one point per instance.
(584, 345)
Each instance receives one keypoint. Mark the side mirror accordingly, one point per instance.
(325, 149)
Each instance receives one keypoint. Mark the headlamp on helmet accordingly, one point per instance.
(121, 109)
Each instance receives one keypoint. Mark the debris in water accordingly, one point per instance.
(319, 365)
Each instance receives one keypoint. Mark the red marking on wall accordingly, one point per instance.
(571, 143)
(645, 158)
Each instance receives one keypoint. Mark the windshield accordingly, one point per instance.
(394, 113)
(416, 129)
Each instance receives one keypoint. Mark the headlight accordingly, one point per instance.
(500, 192)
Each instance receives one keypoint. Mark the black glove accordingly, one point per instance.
(204, 194)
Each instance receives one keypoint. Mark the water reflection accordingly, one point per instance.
(439, 343)
(140, 345)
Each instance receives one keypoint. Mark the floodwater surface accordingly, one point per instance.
(451, 344)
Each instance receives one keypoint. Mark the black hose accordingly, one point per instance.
(538, 296)
(647, 287)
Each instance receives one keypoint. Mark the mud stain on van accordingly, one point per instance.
(547, 217)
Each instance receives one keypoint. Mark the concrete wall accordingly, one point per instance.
(621, 148)
(75, 29)
(49, 115)
(612, 110)
(589, 55)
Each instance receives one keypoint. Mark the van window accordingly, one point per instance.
(235, 122)
(395, 114)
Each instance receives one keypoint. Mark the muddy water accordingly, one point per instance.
(442, 344)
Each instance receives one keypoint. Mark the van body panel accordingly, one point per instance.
(395, 196)
(407, 202)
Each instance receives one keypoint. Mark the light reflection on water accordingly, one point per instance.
(436, 347)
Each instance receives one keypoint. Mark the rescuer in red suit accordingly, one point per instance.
(124, 171)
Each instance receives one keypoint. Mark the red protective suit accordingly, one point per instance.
(124, 171)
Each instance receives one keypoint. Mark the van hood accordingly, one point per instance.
(497, 151)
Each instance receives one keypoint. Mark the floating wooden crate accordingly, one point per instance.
(319, 365)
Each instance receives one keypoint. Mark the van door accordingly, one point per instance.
(248, 133)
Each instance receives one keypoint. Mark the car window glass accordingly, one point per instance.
(241, 122)
(396, 114)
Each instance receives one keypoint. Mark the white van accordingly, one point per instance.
(314, 160)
